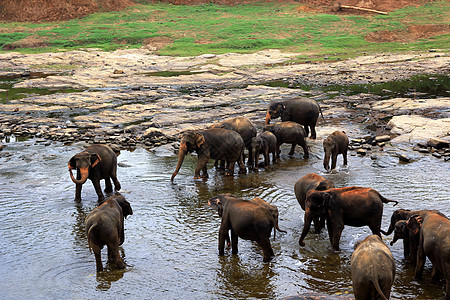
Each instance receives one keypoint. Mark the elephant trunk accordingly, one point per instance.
(306, 227)
(84, 175)
(181, 154)
(394, 240)
(268, 118)
(389, 231)
(326, 161)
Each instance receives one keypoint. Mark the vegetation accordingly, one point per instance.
(210, 28)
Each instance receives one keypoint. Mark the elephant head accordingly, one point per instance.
(275, 110)
(399, 214)
(401, 231)
(315, 207)
(191, 141)
(83, 161)
(414, 223)
(217, 202)
(124, 204)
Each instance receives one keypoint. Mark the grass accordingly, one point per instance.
(210, 28)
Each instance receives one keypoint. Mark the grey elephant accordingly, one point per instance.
(245, 219)
(265, 143)
(96, 162)
(290, 133)
(301, 110)
(373, 269)
(308, 183)
(105, 226)
(336, 143)
(214, 143)
(244, 127)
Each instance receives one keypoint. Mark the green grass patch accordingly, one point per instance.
(211, 28)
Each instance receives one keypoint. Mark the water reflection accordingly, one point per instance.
(107, 277)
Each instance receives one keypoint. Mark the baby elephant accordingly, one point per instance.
(245, 219)
(264, 143)
(290, 133)
(336, 143)
(105, 226)
(410, 240)
(373, 269)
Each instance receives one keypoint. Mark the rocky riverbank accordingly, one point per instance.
(134, 98)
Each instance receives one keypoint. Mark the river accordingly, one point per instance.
(170, 247)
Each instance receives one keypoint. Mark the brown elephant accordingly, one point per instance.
(373, 269)
(245, 219)
(290, 133)
(308, 183)
(96, 162)
(244, 127)
(352, 206)
(264, 143)
(105, 226)
(336, 143)
(273, 210)
(301, 110)
(214, 143)
(434, 243)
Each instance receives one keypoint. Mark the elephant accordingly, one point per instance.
(96, 162)
(273, 210)
(245, 219)
(266, 142)
(410, 240)
(373, 269)
(405, 214)
(308, 183)
(289, 132)
(336, 143)
(215, 143)
(434, 243)
(244, 127)
(301, 110)
(353, 206)
(105, 226)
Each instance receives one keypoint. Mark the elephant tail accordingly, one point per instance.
(385, 200)
(320, 110)
(378, 288)
(89, 235)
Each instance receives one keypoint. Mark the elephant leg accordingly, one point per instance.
(250, 157)
(333, 161)
(406, 247)
(292, 149)
(322, 223)
(344, 155)
(264, 243)
(108, 186)
(110, 254)
(313, 131)
(205, 172)
(306, 130)
(420, 261)
(98, 189)
(116, 182)
(98, 257)
(223, 236)
(234, 242)
(78, 192)
(266, 157)
(201, 164)
(435, 275)
(242, 168)
(116, 255)
(338, 226)
(305, 150)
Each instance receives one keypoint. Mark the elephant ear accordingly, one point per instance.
(414, 223)
(95, 159)
(72, 163)
(200, 140)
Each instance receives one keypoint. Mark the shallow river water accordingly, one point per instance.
(170, 247)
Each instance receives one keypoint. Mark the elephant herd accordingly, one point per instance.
(425, 233)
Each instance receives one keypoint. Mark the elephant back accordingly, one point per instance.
(241, 125)
(224, 143)
(301, 110)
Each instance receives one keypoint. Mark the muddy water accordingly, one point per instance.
(170, 247)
